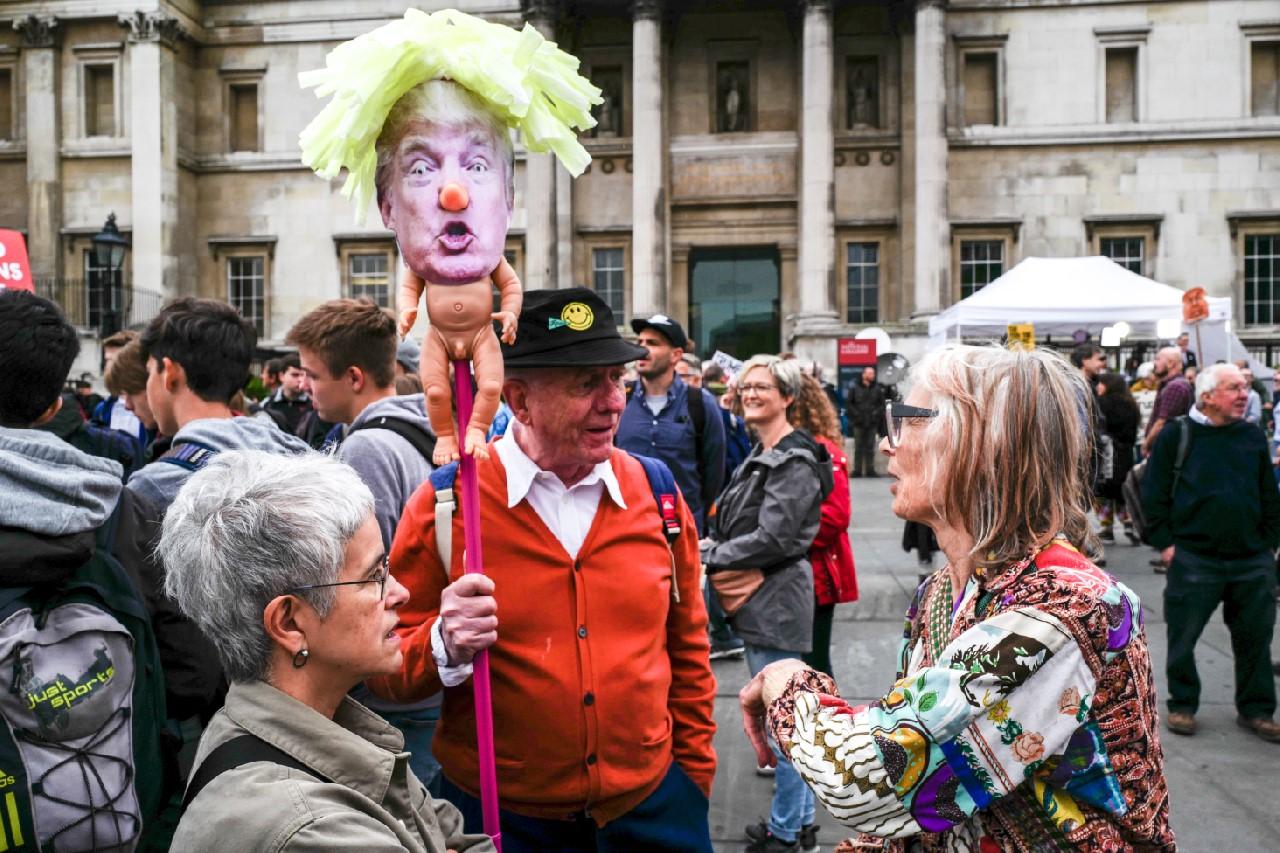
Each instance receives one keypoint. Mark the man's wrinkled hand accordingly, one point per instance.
(468, 617)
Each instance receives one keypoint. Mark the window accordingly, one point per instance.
(369, 277)
(981, 84)
(1264, 73)
(100, 100)
(981, 262)
(862, 280)
(608, 278)
(243, 115)
(1262, 278)
(1125, 251)
(6, 104)
(1122, 85)
(247, 288)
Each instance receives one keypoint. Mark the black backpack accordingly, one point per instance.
(1132, 487)
(81, 765)
(422, 441)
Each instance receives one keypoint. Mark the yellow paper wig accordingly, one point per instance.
(526, 80)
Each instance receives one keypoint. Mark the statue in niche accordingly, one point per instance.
(863, 94)
(609, 112)
(731, 95)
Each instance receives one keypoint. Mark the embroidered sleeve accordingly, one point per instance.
(1004, 700)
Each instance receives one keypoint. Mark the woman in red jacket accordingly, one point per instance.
(834, 580)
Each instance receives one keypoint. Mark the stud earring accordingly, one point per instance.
(300, 659)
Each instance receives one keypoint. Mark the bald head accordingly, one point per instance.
(1168, 362)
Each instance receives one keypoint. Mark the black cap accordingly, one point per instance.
(670, 329)
(568, 328)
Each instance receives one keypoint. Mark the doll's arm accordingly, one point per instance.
(408, 295)
(512, 298)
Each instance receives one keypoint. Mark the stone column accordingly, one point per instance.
(932, 238)
(153, 130)
(817, 170)
(540, 238)
(40, 70)
(648, 152)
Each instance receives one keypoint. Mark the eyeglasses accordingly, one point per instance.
(384, 572)
(895, 414)
(756, 388)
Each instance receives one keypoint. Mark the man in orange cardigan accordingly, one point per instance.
(596, 629)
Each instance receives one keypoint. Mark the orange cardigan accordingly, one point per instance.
(600, 674)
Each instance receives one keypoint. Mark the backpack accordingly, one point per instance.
(662, 484)
(81, 766)
(1132, 488)
(422, 441)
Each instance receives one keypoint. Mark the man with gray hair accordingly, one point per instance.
(1213, 508)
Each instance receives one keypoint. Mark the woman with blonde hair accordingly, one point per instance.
(831, 555)
(1024, 716)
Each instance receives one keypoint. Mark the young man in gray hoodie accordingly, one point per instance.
(197, 353)
(348, 352)
(56, 510)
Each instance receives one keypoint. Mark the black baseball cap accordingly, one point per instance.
(568, 328)
(670, 329)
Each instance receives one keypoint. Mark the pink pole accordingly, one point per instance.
(463, 396)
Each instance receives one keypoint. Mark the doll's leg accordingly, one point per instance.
(486, 365)
(434, 371)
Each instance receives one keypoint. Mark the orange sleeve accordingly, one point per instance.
(693, 687)
(415, 562)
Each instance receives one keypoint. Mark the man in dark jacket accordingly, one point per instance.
(866, 417)
(1217, 524)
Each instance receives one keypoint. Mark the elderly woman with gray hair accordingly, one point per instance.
(756, 555)
(1024, 716)
(279, 560)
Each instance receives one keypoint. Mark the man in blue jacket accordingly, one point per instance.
(662, 418)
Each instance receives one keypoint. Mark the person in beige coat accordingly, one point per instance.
(279, 560)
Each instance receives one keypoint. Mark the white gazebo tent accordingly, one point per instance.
(1061, 295)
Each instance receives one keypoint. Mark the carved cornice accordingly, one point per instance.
(924, 4)
(646, 10)
(152, 26)
(37, 31)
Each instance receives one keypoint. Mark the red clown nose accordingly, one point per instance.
(453, 197)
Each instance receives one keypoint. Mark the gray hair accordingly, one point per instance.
(248, 527)
(1011, 448)
(692, 360)
(786, 372)
(1208, 380)
(446, 103)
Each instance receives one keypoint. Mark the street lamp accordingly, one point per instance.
(109, 248)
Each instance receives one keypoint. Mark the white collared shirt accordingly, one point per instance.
(567, 511)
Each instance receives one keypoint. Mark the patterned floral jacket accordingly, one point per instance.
(1026, 721)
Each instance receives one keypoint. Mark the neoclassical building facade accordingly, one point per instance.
(774, 173)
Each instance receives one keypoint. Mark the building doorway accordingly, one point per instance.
(734, 298)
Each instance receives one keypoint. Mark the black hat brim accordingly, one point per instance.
(639, 324)
(605, 352)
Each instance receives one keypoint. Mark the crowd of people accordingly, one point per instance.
(301, 633)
